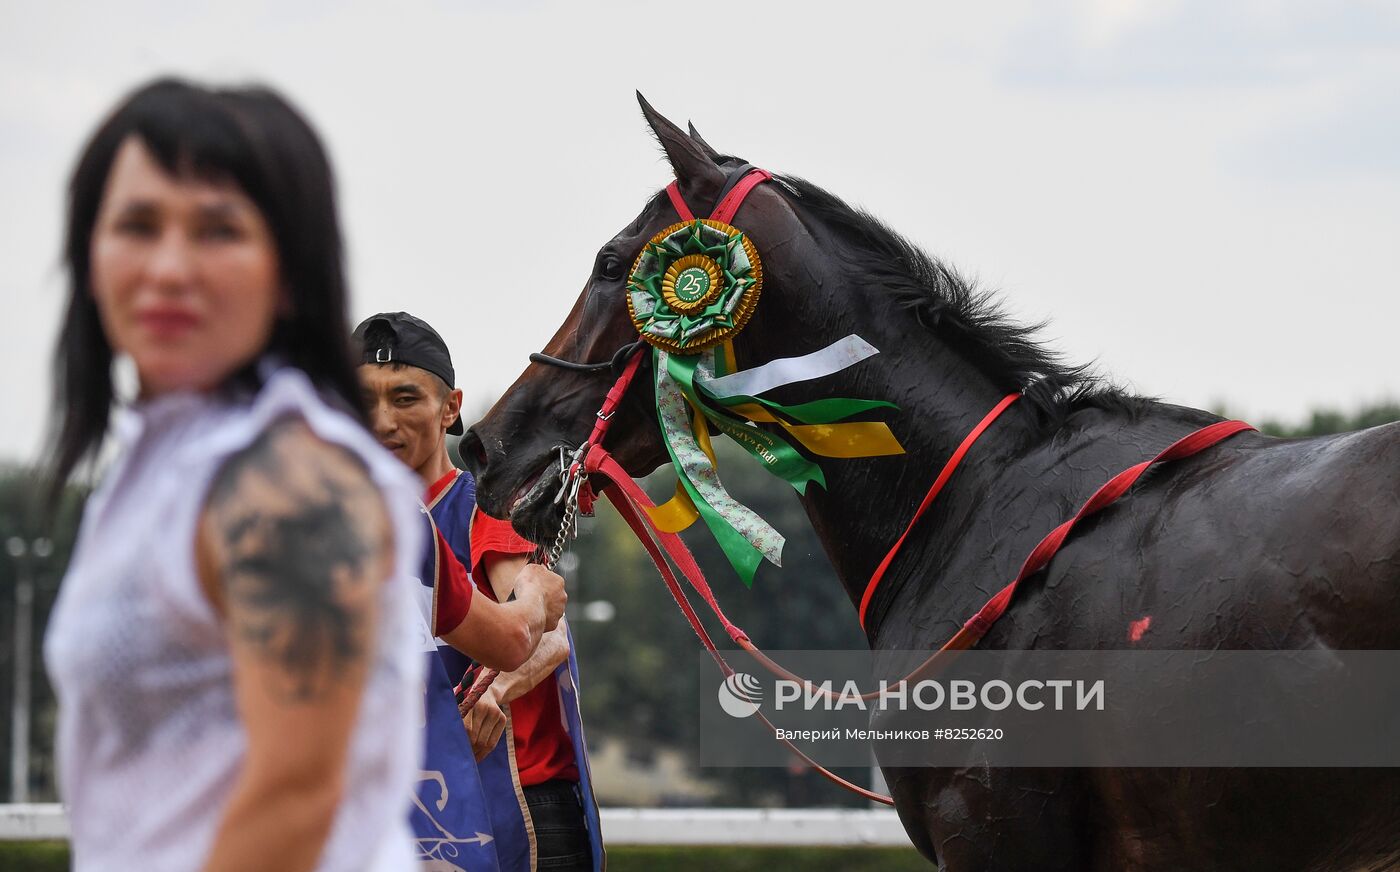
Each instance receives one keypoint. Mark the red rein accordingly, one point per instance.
(632, 502)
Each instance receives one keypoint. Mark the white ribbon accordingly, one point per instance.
(787, 370)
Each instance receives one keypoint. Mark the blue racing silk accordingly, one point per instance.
(452, 510)
(450, 818)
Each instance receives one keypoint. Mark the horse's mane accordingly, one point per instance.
(967, 317)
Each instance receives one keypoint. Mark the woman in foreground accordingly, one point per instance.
(238, 683)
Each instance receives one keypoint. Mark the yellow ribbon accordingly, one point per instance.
(679, 512)
(675, 514)
(854, 439)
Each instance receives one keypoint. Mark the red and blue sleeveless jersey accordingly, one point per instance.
(450, 815)
(452, 502)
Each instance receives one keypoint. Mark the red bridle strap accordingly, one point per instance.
(724, 211)
(614, 397)
(938, 483)
(726, 208)
(673, 191)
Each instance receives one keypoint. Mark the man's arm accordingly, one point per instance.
(501, 572)
(504, 635)
(293, 546)
(486, 721)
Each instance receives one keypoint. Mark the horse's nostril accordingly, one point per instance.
(473, 452)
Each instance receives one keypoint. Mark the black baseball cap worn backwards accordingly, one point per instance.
(398, 337)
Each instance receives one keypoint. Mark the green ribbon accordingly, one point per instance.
(744, 537)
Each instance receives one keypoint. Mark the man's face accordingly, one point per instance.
(410, 410)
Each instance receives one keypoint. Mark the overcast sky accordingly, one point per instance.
(1202, 197)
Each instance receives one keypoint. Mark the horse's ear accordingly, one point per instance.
(694, 168)
(709, 149)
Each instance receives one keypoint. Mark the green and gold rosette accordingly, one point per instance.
(695, 286)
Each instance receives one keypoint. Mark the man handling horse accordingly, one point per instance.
(525, 729)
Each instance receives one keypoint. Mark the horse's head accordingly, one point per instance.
(513, 450)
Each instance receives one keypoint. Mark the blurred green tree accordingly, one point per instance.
(1324, 421)
(32, 544)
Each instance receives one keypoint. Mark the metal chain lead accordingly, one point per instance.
(568, 529)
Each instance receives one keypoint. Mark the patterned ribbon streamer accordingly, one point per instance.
(743, 536)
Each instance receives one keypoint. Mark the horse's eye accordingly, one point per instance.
(609, 266)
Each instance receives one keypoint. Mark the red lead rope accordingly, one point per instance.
(631, 503)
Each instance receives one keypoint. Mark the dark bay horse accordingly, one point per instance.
(1258, 543)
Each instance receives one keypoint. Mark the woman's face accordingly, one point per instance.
(184, 273)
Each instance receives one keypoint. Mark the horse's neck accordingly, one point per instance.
(941, 398)
(1015, 475)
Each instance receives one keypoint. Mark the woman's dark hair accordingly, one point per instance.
(249, 136)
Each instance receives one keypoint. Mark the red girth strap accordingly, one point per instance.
(978, 625)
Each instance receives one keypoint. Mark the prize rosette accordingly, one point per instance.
(694, 285)
(692, 288)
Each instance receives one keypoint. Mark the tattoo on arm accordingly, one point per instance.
(301, 543)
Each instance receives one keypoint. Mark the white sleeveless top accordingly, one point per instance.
(149, 741)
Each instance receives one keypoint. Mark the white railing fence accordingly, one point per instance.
(812, 827)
